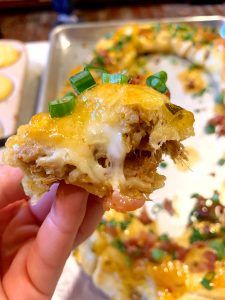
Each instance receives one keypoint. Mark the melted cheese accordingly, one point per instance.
(91, 143)
(97, 122)
(173, 279)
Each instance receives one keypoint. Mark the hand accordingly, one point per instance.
(36, 240)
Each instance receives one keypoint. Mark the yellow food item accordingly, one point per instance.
(202, 46)
(122, 266)
(97, 146)
(192, 81)
(8, 55)
(6, 87)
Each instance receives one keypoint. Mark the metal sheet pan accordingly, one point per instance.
(71, 45)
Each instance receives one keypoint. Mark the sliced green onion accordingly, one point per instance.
(101, 224)
(93, 67)
(215, 197)
(119, 245)
(164, 237)
(157, 84)
(182, 27)
(124, 224)
(207, 280)
(82, 81)
(196, 236)
(221, 161)
(193, 67)
(114, 78)
(210, 129)
(195, 195)
(220, 98)
(222, 229)
(161, 75)
(163, 165)
(62, 107)
(112, 223)
(219, 247)
(158, 254)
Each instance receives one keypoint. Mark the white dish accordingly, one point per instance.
(9, 108)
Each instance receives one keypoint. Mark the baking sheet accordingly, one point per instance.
(72, 45)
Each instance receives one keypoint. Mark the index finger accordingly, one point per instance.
(10, 185)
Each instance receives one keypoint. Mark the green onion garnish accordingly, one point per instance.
(114, 78)
(220, 98)
(82, 81)
(93, 67)
(196, 236)
(207, 280)
(158, 254)
(62, 107)
(163, 165)
(221, 161)
(210, 129)
(161, 75)
(222, 230)
(164, 237)
(124, 224)
(157, 84)
(215, 197)
(219, 247)
(158, 81)
(101, 224)
(195, 195)
(119, 245)
(112, 223)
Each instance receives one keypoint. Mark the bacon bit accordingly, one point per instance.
(140, 245)
(219, 122)
(111, 230)
(212, 174)
(207, 263)
(132, 247)
(190, 85)
(104, 54)
(174, 249)
(198, 266)
(122, 203)
(211, 258)
(135, 80)
(168, 206)
(198, 244)
(168, 93)
(144, 217)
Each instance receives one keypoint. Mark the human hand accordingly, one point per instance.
(36, 240)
